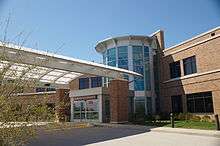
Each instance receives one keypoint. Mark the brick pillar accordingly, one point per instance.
(118, 91)
(63, 105)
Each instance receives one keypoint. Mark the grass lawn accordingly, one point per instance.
(184, 124)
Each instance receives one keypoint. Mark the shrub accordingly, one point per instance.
(206, 118)
(195, 118)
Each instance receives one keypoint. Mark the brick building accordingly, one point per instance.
(183, 78)
(190, 75)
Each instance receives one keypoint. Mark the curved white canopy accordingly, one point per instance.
(49, 67)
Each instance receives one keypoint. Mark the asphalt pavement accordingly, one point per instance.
(120, 136)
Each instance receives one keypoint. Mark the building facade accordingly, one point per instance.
(184, 78)
(190, 75)
(136, 54)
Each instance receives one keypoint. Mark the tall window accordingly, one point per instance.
(96, 82)
(147, 68)
(189, 65)
(123, 57)
(175, 69)
(200, 102)
(83, 83)
(139, 105)
(177, 104)
(138, 67)
(111, 57)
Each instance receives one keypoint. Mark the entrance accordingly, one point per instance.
(84, 110)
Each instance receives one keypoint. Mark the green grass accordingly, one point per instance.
(184, 124)
(194, 125)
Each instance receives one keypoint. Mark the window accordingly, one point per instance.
(138, 67)
(147, 68)
(51, 89)
(83, 83)
(92, 110)
(189, 65)
(175, 69)
(111, 57)
(139, 105)
(176, 104)
(149, 105)
(123, 57)
(200, 102)
(96, 82)
(138, 83)
(40, 89)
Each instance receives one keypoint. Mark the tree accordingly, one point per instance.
(17, 116)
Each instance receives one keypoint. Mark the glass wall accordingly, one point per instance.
(86, 109)
(123, 57)
(147, 68)
(111, 57)
(139, 104)
(137, 52)
(141, 64)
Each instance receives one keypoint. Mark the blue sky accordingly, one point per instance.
(77, 25)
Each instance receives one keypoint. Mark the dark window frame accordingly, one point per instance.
(175, 69)
(189, 65)
(83, 83)
(96, 82)
(177, 104)
(201, 102)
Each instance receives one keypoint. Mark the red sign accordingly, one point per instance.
(85, 97)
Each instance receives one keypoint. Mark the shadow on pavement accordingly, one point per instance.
(83, 136)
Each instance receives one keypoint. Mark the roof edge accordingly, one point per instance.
(191, 39)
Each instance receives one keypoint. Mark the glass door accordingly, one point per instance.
(86, 110)
(79, 110)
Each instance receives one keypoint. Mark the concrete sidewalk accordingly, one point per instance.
(211, 133)
(198, 132)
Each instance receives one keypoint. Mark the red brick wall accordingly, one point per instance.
(207, 59)
(118, 91)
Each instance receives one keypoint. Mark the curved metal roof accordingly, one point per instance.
(49, 67)
(102, 44)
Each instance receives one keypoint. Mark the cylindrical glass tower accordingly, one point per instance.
(133, 53)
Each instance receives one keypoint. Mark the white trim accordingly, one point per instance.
(59, 62)
(36, 93)
(99, 46)
(190, 46)
(192, 75)
(155, 32)
(191, 39)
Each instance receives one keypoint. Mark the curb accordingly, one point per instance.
(210, 133)
(197, 132)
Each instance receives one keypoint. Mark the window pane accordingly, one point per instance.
(199, 105)
(83, 83)
(140, 105)
(176, 104)
(175, 69)
(209, 105)
(190, 106)
(189, 65)
(200, 102)
(111, 57)
(96, 82)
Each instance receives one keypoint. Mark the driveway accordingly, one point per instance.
(120, 136)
